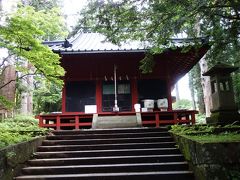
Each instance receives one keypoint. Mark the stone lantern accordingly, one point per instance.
(224, 109)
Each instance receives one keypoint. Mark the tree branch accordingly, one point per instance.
(21, 77)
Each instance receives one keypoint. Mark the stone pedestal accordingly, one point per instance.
(224, 110)
(223, 117)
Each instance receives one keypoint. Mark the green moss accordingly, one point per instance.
(185, 149)
(216, 138)
(200, 172)
(208, 134)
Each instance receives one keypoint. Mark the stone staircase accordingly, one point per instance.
(133, 153)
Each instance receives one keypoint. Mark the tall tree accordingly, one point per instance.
(158, 21)
(196, 88)
(22, 35)
(27, 94)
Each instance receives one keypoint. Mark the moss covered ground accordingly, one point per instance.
(19, 129)
(208, 133)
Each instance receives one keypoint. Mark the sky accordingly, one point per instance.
(72, 7)
(183, 87)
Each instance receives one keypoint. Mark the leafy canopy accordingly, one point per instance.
(22, 35)
(157, 21)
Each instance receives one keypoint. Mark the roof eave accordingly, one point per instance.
(66, 52)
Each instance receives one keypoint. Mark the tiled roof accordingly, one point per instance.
(93, 42)
(97, 43)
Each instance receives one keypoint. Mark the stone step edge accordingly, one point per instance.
(105, 157)
(116, 144)
(106, 174)
(109, 139)
(109, 134)
(106, 165)
(114, 129)
(96, 151)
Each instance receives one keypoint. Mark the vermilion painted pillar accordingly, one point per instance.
(40, 121)
(76, 122)
(99, 96)
(64, 98)
(58, 123)
(169, 95)
(134, 92)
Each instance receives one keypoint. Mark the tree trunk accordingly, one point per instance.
(8, 91)
(206, 86)
(205, 80)
(196, 88)
(26, 96)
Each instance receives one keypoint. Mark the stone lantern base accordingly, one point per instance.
(224, 117)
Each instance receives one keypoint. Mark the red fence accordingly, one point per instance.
(149, 119)
(158, 118)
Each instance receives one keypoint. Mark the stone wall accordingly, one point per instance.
(211, 161)
(13, 158)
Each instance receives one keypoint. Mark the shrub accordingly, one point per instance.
(19, 129)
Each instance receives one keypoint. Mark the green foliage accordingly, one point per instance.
(18, 129)
(158, 21)
(200, 118)
(207, 133)
(49, 21)
(22, 34)
(236, 86)
(6, 103)
(147, 64)
(182, 104)
(47, 98)
(192, 130)
(42, 4)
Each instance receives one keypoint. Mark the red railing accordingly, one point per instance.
(66, 121)
(81, 120)
(158, 118)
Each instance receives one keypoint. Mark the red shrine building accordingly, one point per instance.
(104, 79)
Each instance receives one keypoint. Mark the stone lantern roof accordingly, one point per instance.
(220, 68)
